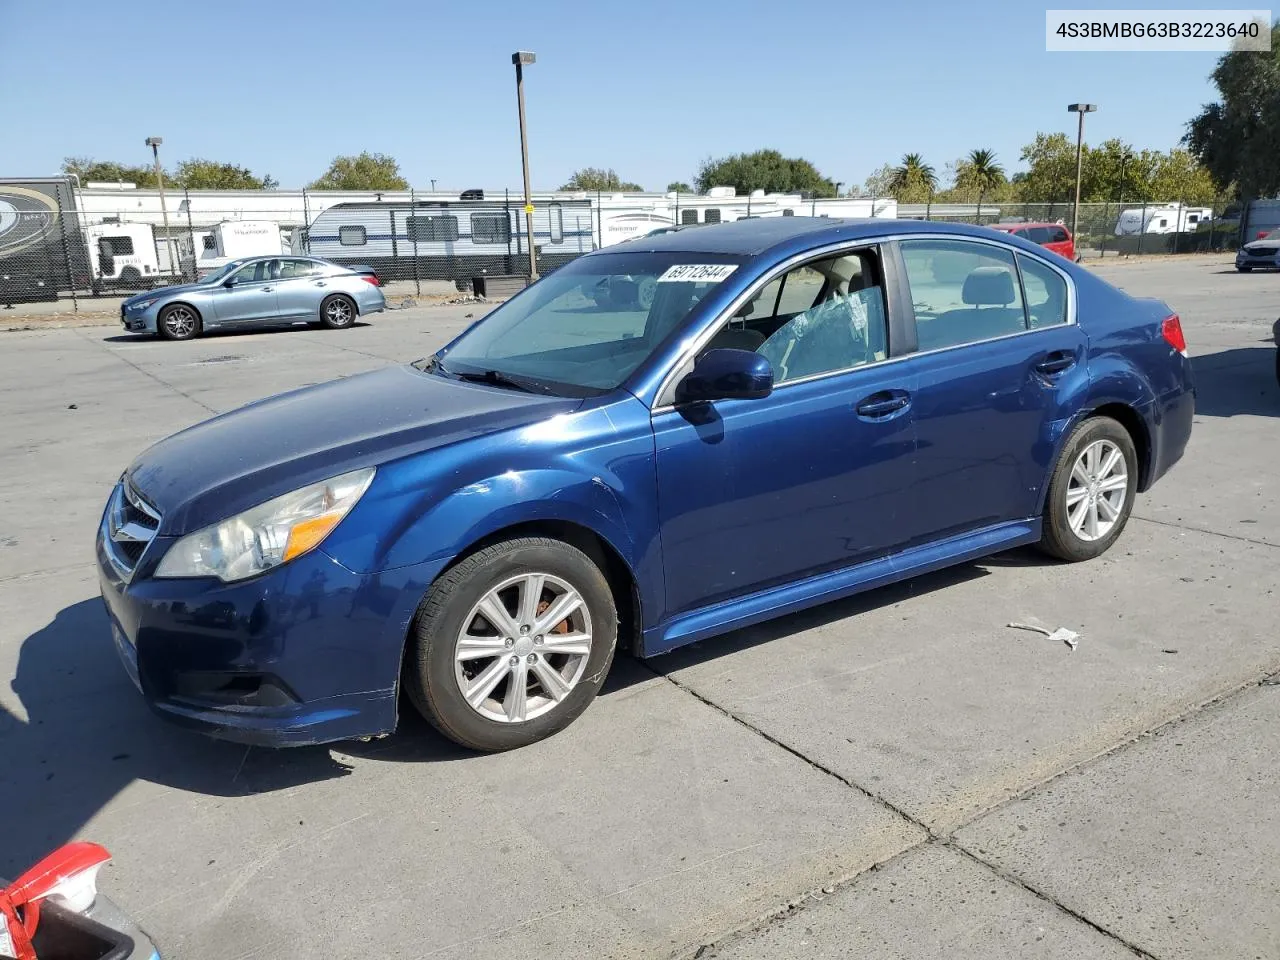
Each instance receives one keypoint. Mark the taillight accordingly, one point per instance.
(1171, 330)
(371, 278)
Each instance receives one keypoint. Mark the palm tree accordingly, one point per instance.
(914, 174)
(980, 171)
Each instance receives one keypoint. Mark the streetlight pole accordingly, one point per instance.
(154, 144)
(433, 185)
(1081, 109)
(520, 58)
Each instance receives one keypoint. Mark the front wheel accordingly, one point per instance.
(178, 322)
(337, 312)
(1244, 269)
(1092, 491)
(512, 644)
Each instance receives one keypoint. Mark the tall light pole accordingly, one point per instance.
(154, 144)
(520, 58)
(1081, 109)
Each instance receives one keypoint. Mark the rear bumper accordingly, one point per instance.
(1169, 419)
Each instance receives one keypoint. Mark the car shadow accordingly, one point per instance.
(222, 333)
(1238, 381)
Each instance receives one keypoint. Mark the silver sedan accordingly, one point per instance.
(257, 291)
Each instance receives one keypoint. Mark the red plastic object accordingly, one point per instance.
(20, 901)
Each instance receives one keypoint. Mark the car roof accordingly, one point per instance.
(1029, 223)
(759, 235)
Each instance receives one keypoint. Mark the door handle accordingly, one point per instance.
(321, 283)
(267, 289)
(883, 404)
(1056, 362)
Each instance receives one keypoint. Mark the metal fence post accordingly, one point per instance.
(1142, 227)
(599, 220)
(306, 223)
(413, 236)
(66, 256)
(1179, 221)
(191, 236)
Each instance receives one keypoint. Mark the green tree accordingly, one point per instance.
(1178, 176)
(598, 179)
(1237, 138)
(1051, 173)
(368, 171)
(679, 186)
(878, 183)
(980, 174)
(107, 171)
(766, 170)
(913, 181)
(199, 174)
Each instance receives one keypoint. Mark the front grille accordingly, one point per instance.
(128, 528)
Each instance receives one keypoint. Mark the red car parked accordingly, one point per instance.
(1051, 236)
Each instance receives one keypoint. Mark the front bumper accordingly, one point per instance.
(139, 321)
(306, 653)
(1262, 260)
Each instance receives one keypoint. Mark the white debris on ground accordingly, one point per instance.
(1062, 634)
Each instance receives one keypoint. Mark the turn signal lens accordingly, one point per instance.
(1171, 330)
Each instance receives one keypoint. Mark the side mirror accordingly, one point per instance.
(229, 284)
(727, 375)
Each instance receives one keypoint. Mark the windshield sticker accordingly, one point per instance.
(697, 273)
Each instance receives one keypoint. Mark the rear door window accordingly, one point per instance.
(962, 292)
(1038, 235)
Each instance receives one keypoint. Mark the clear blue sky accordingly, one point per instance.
(650, 89)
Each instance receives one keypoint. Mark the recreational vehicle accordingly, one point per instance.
(450, 240)
(1162, 218)
(232, 239)
(42, 250)
(131, 256)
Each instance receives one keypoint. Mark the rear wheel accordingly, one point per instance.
(178, 322)
(512, 644)
(1092, 491)
(337, 311)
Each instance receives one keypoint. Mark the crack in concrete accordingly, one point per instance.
(1212, 533)
(811, 898)
(148, 373)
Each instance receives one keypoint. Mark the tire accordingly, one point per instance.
(434, 677)
(179, 322)
(337, 312)
(1244, 269)
(1075, 541)
(1278, 365)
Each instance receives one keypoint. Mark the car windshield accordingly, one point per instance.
(584, 329)
(222, 272)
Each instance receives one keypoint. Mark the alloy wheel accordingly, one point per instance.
(180, 322)
(338, 312)
(523, 648)
(1097, 490)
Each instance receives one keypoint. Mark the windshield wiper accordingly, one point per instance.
(497, 378)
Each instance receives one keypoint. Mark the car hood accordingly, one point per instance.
(1263, 246)
(222, 466)
(166, 291)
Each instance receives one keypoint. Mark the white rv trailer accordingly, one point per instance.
(232, 239)
(1161, 218)
(130, 255)
(456, 240)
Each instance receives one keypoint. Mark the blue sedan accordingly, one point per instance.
(257, 291)
(802, 409)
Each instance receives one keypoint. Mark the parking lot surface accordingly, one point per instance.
(898, 774)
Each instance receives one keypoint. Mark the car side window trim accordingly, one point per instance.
(896, 291)
(664, 399)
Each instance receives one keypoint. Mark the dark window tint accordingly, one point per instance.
(431, 229)
(210, 242)
(712, 215)
(352, 236)
(688, 216)
(115, 246)
(1038, 234)
(490, 228)
(788, 212)
(962, 292)
(1046, 293)
(1058, 235)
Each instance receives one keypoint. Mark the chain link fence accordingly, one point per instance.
(59, 244)
(1108, 229)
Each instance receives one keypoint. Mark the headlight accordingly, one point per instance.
(267, 535)
(143, 304)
